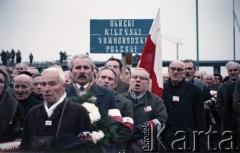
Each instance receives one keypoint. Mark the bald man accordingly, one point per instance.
(184, 104)
(22, 87)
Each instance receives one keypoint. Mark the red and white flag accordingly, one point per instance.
(151, 58)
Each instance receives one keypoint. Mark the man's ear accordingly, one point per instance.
(149, 84)
(65, 85)
(31, 89)
(115, 84)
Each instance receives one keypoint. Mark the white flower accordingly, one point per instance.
(97, 135)
(93, 111)
(93, 99)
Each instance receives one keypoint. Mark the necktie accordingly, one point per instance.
(81, 88)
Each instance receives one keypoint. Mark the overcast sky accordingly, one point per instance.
(45, 27)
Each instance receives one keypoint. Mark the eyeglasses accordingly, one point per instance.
(140, 77)
(174, 69)
(233, 70)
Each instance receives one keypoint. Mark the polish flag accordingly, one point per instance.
(151, 58)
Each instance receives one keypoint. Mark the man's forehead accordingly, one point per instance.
(107, 72)
(138, 71)
(233, 66)
(112, 63)
(23, 78)
(188, 64)
(37, 78)
(85, 64)
(177, 64)
(50, 76)
(49, 80)
(82, 61)
(20, 65)
(21, 81)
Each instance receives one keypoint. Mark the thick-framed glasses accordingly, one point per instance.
(140, 77)
(175, 68)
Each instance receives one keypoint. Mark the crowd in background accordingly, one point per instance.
(192, 101)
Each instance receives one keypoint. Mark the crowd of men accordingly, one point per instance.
(36, 107)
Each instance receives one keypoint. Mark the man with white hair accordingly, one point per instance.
(58, 124)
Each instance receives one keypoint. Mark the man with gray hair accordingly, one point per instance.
(21, 67)
(22, 86)
(82, 70)
(82, 73)
(224, 103)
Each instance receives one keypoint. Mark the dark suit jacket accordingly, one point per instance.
(28, 103)
(122, 87)
(75, 120)
(204, 88)
(105, 97)
(221, 98)
(236, 102)
(105, 100)
(186, 112)
(229, 114)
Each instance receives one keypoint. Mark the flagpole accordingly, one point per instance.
(234, 52)
(138, 63)
(197, 41)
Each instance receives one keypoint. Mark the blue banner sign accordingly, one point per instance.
(118, 35)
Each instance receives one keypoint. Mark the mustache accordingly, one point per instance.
(82, 76)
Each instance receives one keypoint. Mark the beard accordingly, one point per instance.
(188, 78)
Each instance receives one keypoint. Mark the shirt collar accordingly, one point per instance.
(51, 109)
(78, 85)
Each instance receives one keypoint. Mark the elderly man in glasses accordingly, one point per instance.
(148, 109)
(184, 104)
